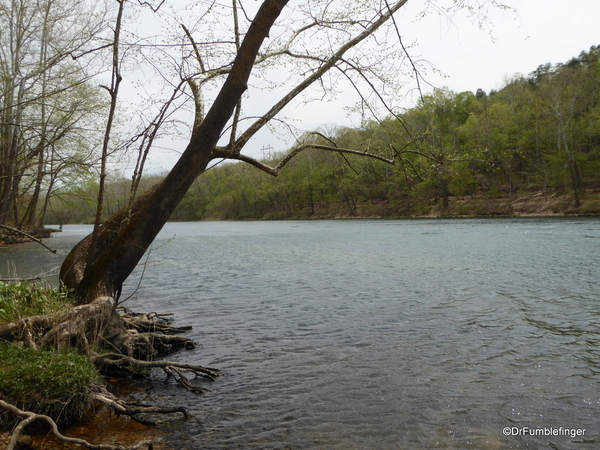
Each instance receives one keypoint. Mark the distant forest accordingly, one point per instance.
(531, 147)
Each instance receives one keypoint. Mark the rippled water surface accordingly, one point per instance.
(377, 334)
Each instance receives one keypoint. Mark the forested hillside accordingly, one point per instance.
(532, 147)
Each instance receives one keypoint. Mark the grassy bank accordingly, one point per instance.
(44, 381)
(19, 300)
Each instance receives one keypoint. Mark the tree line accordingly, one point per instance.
(50, 112)
(539, 133)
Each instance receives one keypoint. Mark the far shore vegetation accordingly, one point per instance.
(530, 148)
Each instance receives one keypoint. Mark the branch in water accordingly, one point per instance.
(28, 236)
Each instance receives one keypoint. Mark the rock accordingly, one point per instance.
(24, 442)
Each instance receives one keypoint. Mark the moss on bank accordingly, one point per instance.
(55, 383)
(46, 382)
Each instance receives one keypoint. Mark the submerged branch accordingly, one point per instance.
(119, 361)
(133, 409)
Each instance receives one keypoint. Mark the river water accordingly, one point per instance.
(375, 334)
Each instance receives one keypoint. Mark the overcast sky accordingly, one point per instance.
(470, 57)
(537, 32)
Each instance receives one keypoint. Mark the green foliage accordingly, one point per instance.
(20, 300)
(55, 383)
(537, 133)
(25, 372)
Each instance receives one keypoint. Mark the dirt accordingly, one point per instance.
(105, 427)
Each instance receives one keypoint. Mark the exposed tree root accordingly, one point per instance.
(29, 417)
(134, 341)
(111, 361)
(97, 324)
(150, 322)
(133, 409)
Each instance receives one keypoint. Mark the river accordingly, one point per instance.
(375, 334)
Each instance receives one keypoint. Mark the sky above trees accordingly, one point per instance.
(459, 51)
(537, 32)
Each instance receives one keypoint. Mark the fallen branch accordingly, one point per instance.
(29, 417)
(28, 236)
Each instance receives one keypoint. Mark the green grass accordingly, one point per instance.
(47, 381)
(19, 300)
(25, 372)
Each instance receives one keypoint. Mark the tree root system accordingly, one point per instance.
(120, 343)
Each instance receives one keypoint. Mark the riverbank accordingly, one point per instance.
(518, 204)
(62, 390)
(9, 236)
(80, 378)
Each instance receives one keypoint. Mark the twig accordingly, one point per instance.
(49, 273)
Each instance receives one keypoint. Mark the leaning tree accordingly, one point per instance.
(98, 266)
(322, 45)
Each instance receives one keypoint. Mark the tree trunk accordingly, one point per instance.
(125, 237)
(445, 194)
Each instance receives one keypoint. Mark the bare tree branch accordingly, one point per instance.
(316, 75)
(274, 171)
(195, 47)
